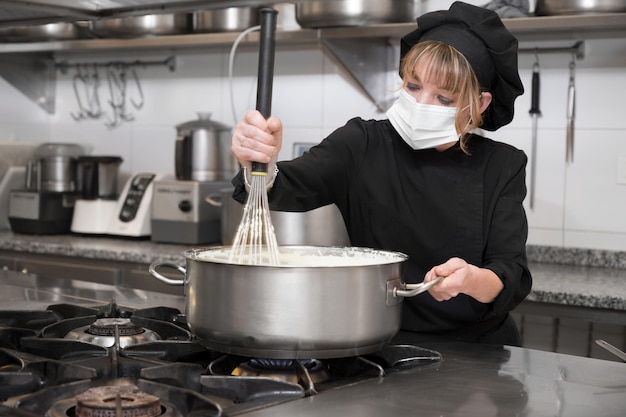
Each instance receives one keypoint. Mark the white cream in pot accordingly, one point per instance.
(308, 257)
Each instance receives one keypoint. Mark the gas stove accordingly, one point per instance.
(71, 348)
(71, 360)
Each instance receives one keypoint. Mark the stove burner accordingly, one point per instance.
(279, 364)
(287, 370)
(117, 401)
(107, 327)
(102, 332)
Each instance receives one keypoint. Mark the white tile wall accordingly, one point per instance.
(577, 205)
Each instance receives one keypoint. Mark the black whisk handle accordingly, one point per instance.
(267, 46)
(258, 168)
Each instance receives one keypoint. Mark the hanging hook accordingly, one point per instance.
(137, 104)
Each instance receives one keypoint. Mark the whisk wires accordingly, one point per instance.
(255, 242)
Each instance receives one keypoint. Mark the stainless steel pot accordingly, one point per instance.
(49, 32)
(572, 7)
(320, 227)
(230, 19)
(314, 14)
(138, 26)
(290, 311)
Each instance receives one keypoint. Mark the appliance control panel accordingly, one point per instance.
(134, 195)
(132, 214)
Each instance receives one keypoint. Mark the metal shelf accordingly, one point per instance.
(546, 28)
(27, 65)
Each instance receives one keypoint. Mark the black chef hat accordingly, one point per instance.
(490, 48)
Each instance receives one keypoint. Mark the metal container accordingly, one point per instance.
(323, 226)
(49, 32)
(573, 7)
(291, 311)
(138, 26)
(202, 151)
(315, 14)
(230, 19)
(98, 177)
(53, 168)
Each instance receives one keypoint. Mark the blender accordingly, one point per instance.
(204, 166)
(97, 201)
(46, 203)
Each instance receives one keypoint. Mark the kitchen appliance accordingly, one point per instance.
(98, 201)
(202, 151)
(13, 178)
(132, 214)
(181, 213)
(68, 349)
(204, 165)
(46, 203)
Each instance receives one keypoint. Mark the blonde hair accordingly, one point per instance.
(444, 66)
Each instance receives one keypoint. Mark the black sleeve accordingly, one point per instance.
(505, 252)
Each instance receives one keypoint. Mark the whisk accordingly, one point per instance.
(255, 242)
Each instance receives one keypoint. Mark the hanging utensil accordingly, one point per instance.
(571, 112)
(534, 113)
(255, 240)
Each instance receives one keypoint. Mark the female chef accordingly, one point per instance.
(423, 181)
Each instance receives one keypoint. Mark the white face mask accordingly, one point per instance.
(422, 126)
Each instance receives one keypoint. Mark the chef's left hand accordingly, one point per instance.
(461, 277)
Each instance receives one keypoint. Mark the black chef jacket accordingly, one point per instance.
(427, 204)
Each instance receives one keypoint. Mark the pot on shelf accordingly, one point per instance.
(230, 19)
(60, 31)
(139, 26)
(315, 14)
(574, 7)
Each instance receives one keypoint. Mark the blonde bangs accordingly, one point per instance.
(439, 64)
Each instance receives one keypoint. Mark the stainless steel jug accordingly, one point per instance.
(203, 151)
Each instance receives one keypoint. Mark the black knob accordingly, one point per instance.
(185, 206)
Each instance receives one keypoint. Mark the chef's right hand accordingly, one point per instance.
(257, 139)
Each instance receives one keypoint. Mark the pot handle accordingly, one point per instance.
(153, 271)
(414, 289)
(214, 199)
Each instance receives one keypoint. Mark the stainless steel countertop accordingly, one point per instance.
(478, 380)
(19, 291)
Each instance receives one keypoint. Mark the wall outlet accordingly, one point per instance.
(621, 170)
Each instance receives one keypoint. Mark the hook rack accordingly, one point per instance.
(577, 50)
(168, 62)
(118, 75)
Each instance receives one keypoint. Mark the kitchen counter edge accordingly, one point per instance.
(567, 276)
